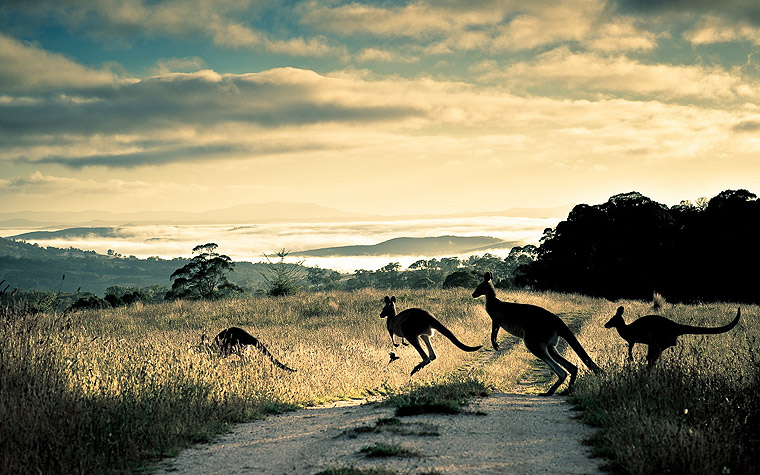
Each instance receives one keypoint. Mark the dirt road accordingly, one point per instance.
(519, 434)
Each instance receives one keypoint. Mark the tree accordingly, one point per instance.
(322, 279)
(463, 278)
(204, 277)
(388, 276)
(282, 278)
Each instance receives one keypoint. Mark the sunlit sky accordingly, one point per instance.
(387, 107)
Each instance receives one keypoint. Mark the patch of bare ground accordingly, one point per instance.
(518, 434)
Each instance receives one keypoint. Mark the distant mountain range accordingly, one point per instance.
(275, 211)
(407, 246)
(403, 246)
(68, 233)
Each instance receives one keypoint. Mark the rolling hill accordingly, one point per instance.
(408, 246)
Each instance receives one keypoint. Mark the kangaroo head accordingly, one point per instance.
(390, 307)
(485, 287)
(616, 320)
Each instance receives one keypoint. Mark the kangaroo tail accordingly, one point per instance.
(447, 333)
(264, 350)
(567, 334)
(711, 331)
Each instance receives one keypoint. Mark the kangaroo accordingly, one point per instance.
(415, 324)
(233, 339)
(539, 330)
(659, 332)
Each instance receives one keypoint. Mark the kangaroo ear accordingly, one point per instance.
(620, 310)
(387, 300)
(393, 298)
(487, 276)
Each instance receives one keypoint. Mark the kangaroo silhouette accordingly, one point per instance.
(234, 339)
(659, 332)
(415, 324)
(538, 328)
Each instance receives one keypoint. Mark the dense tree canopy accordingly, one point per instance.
(632, 246)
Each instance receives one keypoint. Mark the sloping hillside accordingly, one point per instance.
(408, 246)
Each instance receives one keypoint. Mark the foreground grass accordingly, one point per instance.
(697, 411)
(109, 391)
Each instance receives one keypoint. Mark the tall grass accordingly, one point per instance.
(111, 390)
(697, 411)
(104, 391)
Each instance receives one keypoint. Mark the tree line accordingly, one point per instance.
(629, 247)
(632, 246)
(204, 277)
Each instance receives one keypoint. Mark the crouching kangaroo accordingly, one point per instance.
(539, 329)
(416, 324)
(659, 332)
(233, 339)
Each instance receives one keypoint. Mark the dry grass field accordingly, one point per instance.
(697, 411)
(111, 390)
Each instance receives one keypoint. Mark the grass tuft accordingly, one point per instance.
(394, 425)
(446, 398)
(380, 449)
(356, 471)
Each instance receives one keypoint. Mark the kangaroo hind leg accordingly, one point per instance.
(571, 368)
(541, 350)
(431, 353)
(415, 342)
(653, 354)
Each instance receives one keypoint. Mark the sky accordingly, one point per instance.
(386, 107)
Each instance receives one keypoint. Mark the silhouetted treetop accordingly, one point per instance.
(632, 246)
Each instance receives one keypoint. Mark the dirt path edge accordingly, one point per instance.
(519, 434)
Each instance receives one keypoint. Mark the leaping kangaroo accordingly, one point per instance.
(659, 332)
(233, 339)
(416, 324)
(539, 329)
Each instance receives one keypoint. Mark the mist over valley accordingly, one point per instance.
(318, 236)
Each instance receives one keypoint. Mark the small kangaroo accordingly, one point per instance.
(415, 324)
(659, 332)
(539, 330)
(233, 339)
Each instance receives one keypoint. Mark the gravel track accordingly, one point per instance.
(519, 434)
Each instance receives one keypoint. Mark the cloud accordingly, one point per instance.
(25, 67)
(203, 99)
(206, 116)
(229, 23)
(745, 10)
(547, 24)
(715, 29)
(384, 56)
(620, 34)
(615, 106)
(178, 65)
(413, 20)
(562, 70)
(447, 27)
(750, 126)
(38, 183)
